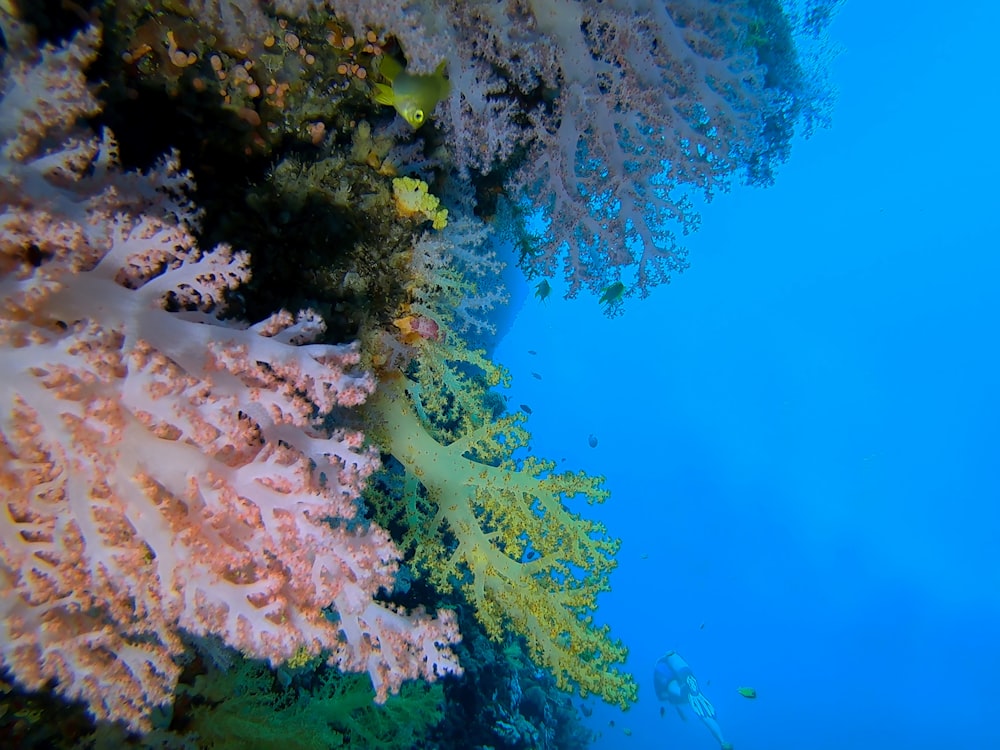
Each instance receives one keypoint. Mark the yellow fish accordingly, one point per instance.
(747, 692)
(413, 96)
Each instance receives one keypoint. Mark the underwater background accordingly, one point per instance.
(802, 432)
(799, 433)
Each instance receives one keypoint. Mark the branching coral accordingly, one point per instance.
(605, 115)
(524, 560)
(476, 515)
(615, 110)
(601, 113)
(162, 469)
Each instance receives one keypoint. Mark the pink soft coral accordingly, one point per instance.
(164, 470)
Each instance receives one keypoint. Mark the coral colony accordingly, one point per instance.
(187, 469)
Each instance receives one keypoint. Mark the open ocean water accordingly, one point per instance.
(802, 432)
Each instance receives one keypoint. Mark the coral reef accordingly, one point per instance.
(191, 506)
(163, 469)
(608, 113)
(604, 116)
(472, 512)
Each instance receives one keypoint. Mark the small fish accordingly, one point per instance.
(532, 352)
(536, 376)
(663, 711)
(592, 441)
(701, 627)
(526, 409)
(627, 731)
(413, 96)
(613, 294)
(586, 710)
(543, 289)
(747, 692)
(611, 723)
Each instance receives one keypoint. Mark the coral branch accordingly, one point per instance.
(161, 470)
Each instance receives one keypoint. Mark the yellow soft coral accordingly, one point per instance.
(526, 562)
(414, 201)
(462, 508)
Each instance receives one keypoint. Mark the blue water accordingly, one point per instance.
(802, 432)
